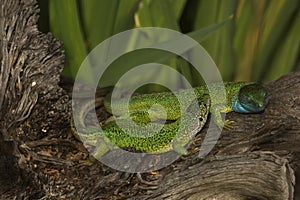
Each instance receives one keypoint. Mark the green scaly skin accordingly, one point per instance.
(241, 97)
(168, 138)
(171, 136)
(140, 105)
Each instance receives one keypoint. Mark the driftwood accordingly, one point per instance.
(41, 159)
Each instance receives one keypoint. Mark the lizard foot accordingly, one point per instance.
(228, 125)
(179, 149)
(87, 163)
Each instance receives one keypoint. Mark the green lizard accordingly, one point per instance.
(241, 97)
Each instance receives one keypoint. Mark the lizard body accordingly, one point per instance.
(241, 97)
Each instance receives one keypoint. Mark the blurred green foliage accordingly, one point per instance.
(260, 42)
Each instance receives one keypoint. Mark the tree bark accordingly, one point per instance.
(40, 158)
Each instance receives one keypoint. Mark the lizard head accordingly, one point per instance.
(252, 98)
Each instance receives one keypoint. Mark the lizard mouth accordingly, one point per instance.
(252, 107)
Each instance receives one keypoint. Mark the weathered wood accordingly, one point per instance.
(260, 175)
(39, 157)
(31, 63)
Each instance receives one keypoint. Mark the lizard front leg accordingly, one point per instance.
(192, 122)
(216, 111)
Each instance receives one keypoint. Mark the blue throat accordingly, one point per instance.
(246, 108)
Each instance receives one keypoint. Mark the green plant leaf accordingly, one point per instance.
(248, 26)
(98, 20)
(126, 62)
(178, 6)
(219, 45)
(64, 23)
(277, 17)
(125, 16)
(288, 52)
(148, 11)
